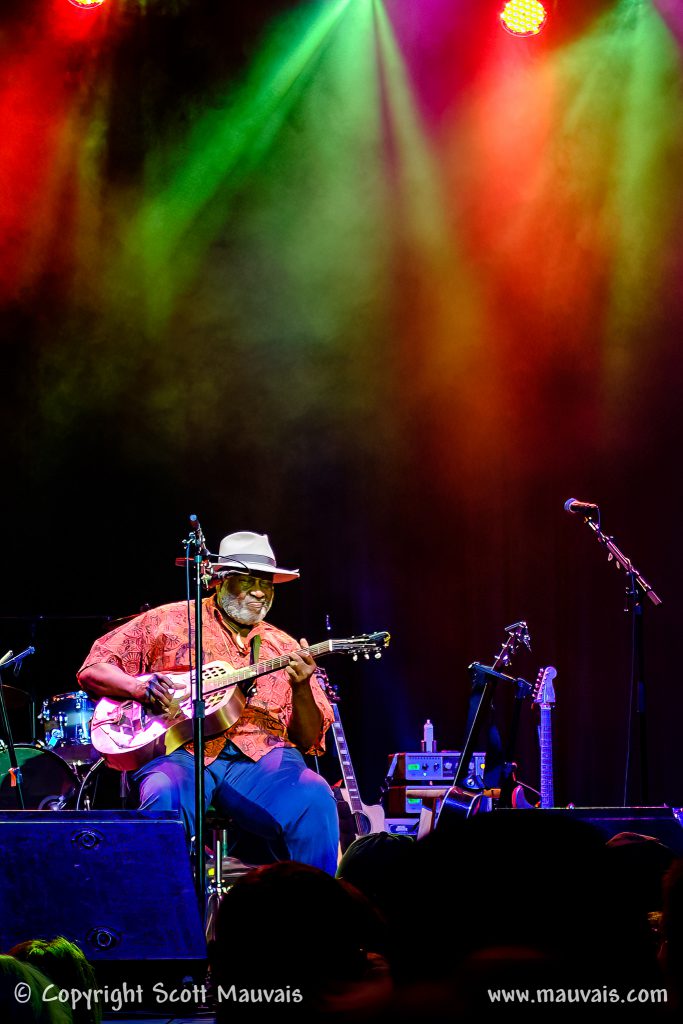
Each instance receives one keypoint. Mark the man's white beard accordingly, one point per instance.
(235, 611)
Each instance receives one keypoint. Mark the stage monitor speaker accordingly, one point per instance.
(662, 823)
(117, 883)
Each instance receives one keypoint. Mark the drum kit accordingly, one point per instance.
(60, 769)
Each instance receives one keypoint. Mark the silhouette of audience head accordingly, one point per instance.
(379, 866)
(66, 965)
(526, 879)
(640, 863)
(671, 953)
(291, 927)
(22, 995)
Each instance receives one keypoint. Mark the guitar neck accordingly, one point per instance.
(263, 668)
(546, 750)
(348, 773)
(219, 675)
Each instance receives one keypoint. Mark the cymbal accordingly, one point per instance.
(112, 623)
(15, 698)
(115, 623)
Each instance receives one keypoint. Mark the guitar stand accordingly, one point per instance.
(509, 769)
(485, 680)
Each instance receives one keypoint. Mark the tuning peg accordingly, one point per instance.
(378, 654)
(355, 657)
(366, 656)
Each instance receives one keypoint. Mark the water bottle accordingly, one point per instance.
(428, 744)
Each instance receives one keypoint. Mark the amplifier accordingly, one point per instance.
(397, 803)
(439, 767)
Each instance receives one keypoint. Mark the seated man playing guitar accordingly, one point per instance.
(254, 769)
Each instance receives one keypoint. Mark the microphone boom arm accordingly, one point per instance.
(622, 562)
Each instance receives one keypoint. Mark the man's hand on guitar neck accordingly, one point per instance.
(305, 723)
(301, 666)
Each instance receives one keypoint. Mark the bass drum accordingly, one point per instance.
(48, 783)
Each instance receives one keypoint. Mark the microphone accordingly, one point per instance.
(584, 508)
(199, 536)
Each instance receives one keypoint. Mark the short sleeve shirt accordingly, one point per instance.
(162, 640)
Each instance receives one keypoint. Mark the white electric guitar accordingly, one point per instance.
(129, 735)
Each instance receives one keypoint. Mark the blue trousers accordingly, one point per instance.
(277, 797)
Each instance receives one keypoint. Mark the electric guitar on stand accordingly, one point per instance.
(544, 696)
(364, 818)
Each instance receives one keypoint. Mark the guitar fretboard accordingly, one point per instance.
(222, 679)
(224, 675)
(262, 668)
(348, 773)
(546, 752)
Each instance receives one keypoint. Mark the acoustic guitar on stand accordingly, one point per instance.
(459, 801)
(365, 818)
(129, 735)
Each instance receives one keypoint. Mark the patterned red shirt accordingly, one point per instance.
(157, 641)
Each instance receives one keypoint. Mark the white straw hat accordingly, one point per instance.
(252, 553)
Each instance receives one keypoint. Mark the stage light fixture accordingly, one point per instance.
(86, 5)
(523, 17)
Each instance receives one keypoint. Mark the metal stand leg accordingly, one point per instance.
(123, 790)
(216, 887)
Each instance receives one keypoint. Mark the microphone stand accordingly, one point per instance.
(201, 558)
(15, 770)
(637, 589)
(196, 541)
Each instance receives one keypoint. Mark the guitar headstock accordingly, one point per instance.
(517, 636)
(367, 644)
(328, 688)
(544, 691)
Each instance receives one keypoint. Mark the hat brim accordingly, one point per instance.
(258, 569)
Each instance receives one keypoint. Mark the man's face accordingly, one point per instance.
(246, 599)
